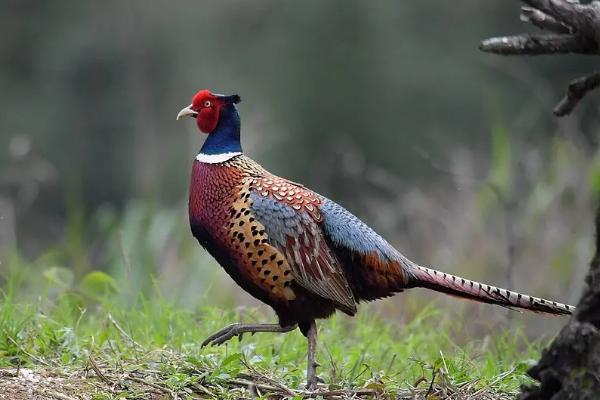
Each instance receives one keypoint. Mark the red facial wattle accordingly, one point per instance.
(208, 107)
(208, 118)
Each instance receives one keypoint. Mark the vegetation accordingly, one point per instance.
(88, 335)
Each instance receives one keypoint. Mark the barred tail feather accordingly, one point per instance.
(461, 287)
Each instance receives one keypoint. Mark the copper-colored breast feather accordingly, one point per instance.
(222, 220)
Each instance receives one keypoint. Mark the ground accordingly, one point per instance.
(150, 350)
(26, 383)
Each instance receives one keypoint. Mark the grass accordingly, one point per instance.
(118, 309)
(99, 347)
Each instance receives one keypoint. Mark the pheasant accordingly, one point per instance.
(294, 249)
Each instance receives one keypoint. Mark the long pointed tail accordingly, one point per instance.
(457, 286)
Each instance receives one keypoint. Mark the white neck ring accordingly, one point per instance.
(216, 158)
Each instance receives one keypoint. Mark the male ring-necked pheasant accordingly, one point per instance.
(296, 250)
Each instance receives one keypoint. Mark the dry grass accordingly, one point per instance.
(103, 382)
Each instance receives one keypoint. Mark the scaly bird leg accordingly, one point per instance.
(311, 369)
(233, 330)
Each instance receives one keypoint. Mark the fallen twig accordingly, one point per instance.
(123, 333)
(25, 351)
(92, 363)
(152, 385)
(204, 390)
(492, 383)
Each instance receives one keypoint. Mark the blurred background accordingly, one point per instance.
(388, 108)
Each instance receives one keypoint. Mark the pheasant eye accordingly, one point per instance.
(207, 103)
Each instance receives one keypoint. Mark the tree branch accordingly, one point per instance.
(574, 27)
(577, 89)
(543, 21)
(563, 10)
(535, 44)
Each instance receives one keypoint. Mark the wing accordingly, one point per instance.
(291, 217)
(373, 267)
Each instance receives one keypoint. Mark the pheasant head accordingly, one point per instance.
(206, 108)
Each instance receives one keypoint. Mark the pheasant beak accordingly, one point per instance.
(187, 112)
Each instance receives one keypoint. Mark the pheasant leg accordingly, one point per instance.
(311, 369)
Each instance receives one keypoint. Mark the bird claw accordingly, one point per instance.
(313, 383)
(223, 335)
(239, 330)
(313, 380)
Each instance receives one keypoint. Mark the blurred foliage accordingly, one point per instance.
(389, 108)
(94, 89)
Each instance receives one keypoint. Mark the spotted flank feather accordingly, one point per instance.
(269, 268)
(291, 218)
(461, 287)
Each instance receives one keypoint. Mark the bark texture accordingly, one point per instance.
(570, 367)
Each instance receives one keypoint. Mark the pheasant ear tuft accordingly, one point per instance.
(233, 99)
